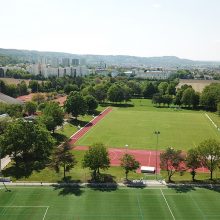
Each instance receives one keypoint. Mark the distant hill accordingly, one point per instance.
(123, 60)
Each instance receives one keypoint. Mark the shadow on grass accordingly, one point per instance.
(59, 138)
(121, 105)
(103, 178)
(103, 187)
(104, 182)
(67, 189)
(95, 113)
(132, 184)
(78, 122)
(68, 186)
(21, 171)
(182, 188)
(185, 187)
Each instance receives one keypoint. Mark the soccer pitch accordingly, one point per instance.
(179, 129)
(49, 203)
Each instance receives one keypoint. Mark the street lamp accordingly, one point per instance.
(157, 134)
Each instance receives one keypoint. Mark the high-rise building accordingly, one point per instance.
(82, 62)
(66, 62)
(75, 62)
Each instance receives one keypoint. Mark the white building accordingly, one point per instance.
(154, 74)
(47, 70)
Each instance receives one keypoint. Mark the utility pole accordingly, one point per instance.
(157, 134)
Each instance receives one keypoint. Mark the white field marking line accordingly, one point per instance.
(20, 206)
(142, 217)
(211, 120)
(45, 213)
(167, 204)
(23, 206)
(89, 123)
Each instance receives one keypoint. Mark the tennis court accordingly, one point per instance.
(44, 203)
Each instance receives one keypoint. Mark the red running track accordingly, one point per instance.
(75, 137)
(144, 157)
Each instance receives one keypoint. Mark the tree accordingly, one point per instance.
(30, 107)
(218, 109)
(3, 124)
(188, 97)
(75, 104)
(63, 157)
(135, 88)
(179, 94)
(171, 161)
(22, 88)
(96, 158)
(128, 163)
(34, 86)
(115, 93)
(157, 99)
(29, 145)
(39, 98)
(193, 161)
(149, 90)
(127, 93)
(209, 151)
(13, 110)
(53, 116)
(91, 103)
(196, 99)
(162, 87)
(100, 92)
(12, 90)
(171, 89)
(167, 99)
(210, 96)
(178, 97)
(70, 88)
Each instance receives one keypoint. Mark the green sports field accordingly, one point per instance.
(135, 126)
(48, 203)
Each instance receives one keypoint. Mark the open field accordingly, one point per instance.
(51, 203)
(135, 126)
(16, 81)
(197, 85)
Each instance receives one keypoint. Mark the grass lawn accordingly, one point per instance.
(215, 118)
(55, 203)
(77, 174)
(135, 126)
(186, 177)
(70, 128)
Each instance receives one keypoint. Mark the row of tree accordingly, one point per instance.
(119, 89)
(31, 147)
(12, 89)
(207, 155)
(187, 96)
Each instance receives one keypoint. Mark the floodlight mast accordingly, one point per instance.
(126, 148)
(157, 134)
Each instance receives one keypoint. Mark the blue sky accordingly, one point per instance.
(183, 28)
